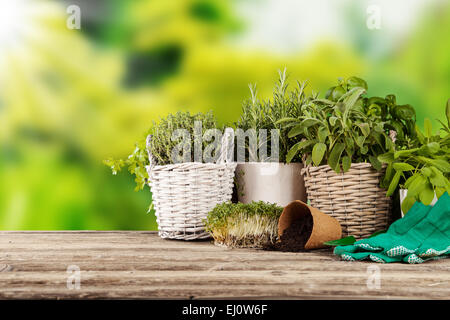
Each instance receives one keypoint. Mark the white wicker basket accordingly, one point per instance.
(184, 193)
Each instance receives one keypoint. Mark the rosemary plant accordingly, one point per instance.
(252, 225)
(258, 114)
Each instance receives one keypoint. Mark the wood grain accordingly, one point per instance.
(140, 265)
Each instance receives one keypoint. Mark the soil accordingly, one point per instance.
(294, 238)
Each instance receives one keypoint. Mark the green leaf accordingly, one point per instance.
(364, 150)
(354, 82)
(402, 166)
(441, 164)
(341, 242)
(306, 143)
(416, 186)
(404, 153)
(335, 155)
(350, 101)
(440, 191)
(322, 133)
(360, 141)
(295, 131)
(376, 100)
(410, 180)
(430, 148)
(365, 128)
(346, 163)
(333, 121)
(443, 126)
(337, 93)
(375, 163)
(306, 123)
(386, 157)
(394, 183)
(390, 98)
(407, 204)
(388, 143)
(318, 152)
(287, 119)
(419, 134)
(426, 195)
(292, 152)
(329, 92)
(404, 112)
(428, 128)
(397, 126)
(388, 176)
(436, 178)
(427, 172)
(323, 101)
(349, 143)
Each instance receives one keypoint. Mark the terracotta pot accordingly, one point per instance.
(278, 183)
(325, 228)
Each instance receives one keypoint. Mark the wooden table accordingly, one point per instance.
(131, 264)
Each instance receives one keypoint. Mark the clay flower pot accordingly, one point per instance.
(324, 227)
(278, 183)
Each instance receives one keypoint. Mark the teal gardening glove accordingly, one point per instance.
(423, 234)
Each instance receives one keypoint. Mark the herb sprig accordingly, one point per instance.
(259, 114)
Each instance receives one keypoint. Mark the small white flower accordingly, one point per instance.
(393, 135)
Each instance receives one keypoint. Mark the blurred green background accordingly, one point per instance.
(71, 98)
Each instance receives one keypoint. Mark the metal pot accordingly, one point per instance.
(273, 182)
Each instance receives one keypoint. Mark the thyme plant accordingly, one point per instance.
(163, 143)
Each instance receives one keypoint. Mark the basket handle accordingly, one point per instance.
(227, 148)
(305, 171)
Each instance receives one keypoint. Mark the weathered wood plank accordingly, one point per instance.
(124, 264)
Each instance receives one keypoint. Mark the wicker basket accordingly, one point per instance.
(184, 193)
(354, 197)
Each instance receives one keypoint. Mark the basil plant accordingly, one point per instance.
(338, 130)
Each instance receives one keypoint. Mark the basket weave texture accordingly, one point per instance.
(354, 198)
(184, 193)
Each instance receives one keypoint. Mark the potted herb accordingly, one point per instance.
(422, 171)
(262, 146)
(187, 170)
(393, 117)
(340, 144)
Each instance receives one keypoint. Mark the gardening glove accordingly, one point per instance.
(375, 248)
(437, 244)
(423, 234)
